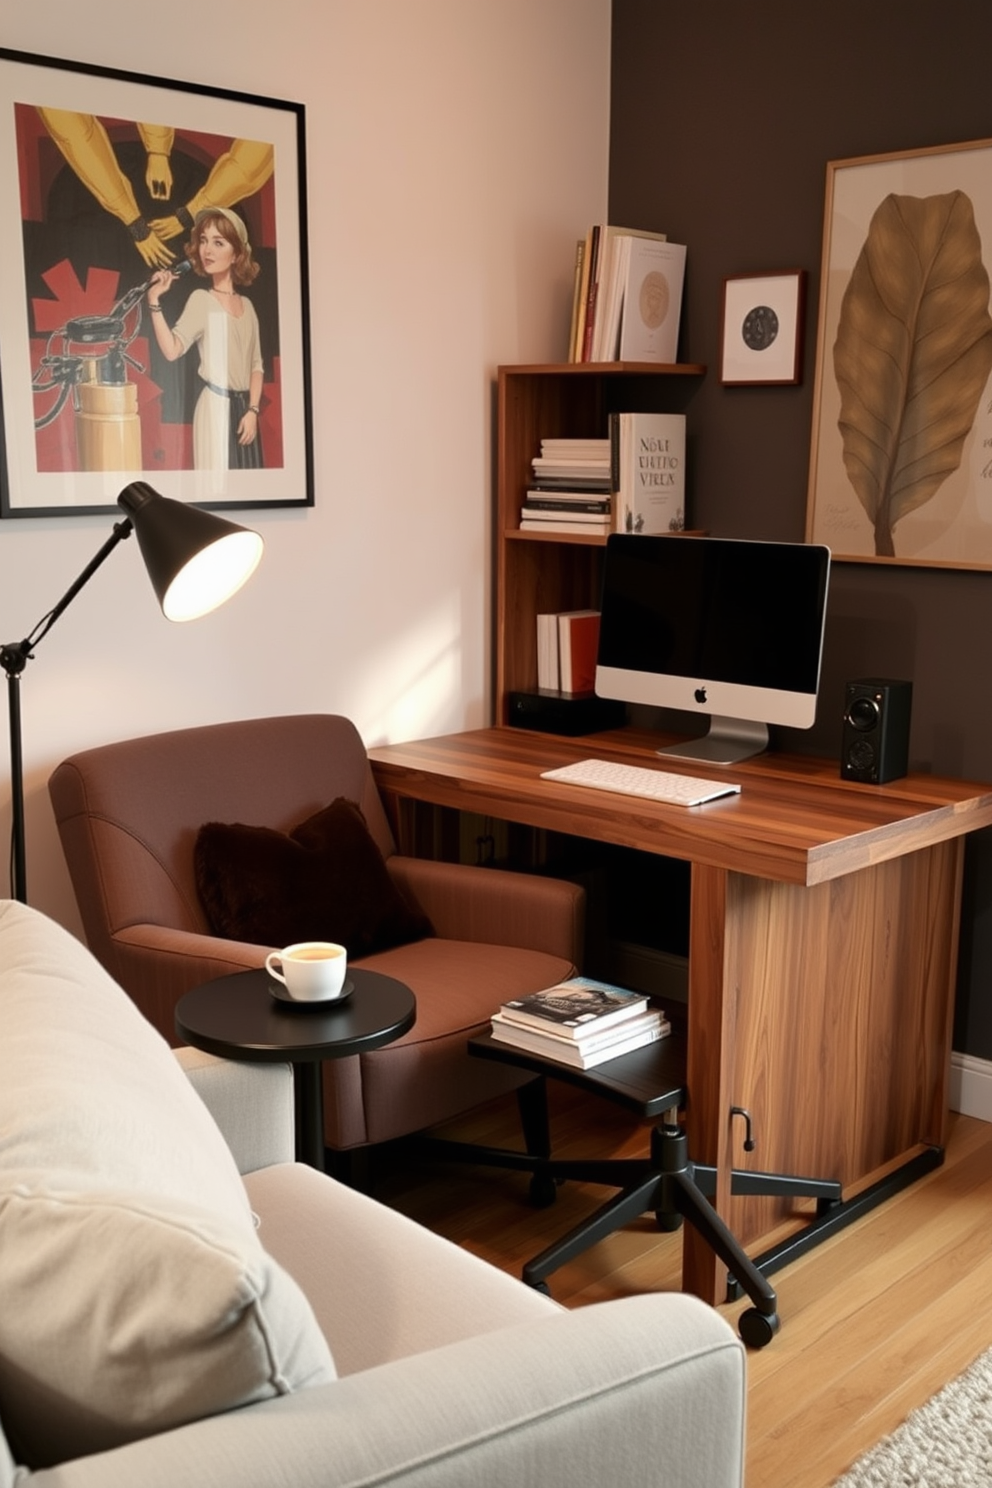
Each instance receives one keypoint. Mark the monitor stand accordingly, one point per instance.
(728, 741)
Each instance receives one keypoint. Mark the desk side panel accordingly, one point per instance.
(841, 1004)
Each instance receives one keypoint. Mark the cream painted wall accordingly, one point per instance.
(456, 150)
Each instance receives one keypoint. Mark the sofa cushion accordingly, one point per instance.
(136, 1293)
(324, 880)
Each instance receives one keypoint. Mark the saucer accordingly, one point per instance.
(280, 993)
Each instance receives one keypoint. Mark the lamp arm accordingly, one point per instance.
(14, 657)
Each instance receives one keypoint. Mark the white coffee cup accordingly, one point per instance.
(311, 970)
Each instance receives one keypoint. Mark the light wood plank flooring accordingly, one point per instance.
(873, 1321)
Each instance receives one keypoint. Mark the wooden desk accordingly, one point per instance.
(822, 948)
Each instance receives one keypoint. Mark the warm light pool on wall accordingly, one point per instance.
(195, 561)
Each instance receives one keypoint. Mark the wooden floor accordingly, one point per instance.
(874, 1321)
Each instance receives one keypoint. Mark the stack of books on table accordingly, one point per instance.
(581, 1022)
(571, 488)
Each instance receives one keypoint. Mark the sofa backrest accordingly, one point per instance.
(128, 813)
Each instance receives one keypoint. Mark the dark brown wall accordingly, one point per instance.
(724, 116)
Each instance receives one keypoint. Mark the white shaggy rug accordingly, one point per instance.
(946, 1443)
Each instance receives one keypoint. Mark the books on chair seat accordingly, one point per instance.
(581, 1022)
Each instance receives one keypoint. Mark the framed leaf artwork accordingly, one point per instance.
(901, 454)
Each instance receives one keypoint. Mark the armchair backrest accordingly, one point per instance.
(128, 813)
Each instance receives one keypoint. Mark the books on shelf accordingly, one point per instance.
(598, 290)
(571, 488)
(652, 302)
(648, 462)
(567, 647)
(581, 1022)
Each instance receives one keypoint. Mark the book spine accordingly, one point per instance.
(549, 504)
(575, 328)
(591, 297)
(583, 297)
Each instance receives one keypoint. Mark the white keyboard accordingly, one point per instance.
(633, 780)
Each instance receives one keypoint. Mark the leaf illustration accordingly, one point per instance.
(912, 355)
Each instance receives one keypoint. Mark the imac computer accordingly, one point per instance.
(725, 628)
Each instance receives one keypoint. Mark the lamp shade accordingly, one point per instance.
(195, 559)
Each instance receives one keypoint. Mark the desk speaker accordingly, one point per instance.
(875, 742)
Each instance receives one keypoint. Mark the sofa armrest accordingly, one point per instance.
(496, 906)
(643, 1391)
(251, 1103)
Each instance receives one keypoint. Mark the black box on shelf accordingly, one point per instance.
(562, 713)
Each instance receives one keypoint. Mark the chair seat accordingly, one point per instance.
(424, 1077)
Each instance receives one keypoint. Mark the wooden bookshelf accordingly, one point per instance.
(538, 572)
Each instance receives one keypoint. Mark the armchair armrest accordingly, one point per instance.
(156, 965)
(638, 1392)
(251, 1103)
(496, 906)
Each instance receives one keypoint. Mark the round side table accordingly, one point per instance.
(240, 1017)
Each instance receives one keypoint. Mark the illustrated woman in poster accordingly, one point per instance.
(223, 324)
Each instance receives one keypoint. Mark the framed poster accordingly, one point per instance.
(901, 456)
(112, 369)
(762, 328)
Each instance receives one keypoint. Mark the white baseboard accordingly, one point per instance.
(971, 1086)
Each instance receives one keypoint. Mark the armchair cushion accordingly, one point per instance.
(324, 880)
(137, 1295)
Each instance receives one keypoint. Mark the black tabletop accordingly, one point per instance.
(242, 1017)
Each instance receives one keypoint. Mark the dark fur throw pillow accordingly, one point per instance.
(326, 880)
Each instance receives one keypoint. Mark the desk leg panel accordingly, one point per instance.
(825, 1012)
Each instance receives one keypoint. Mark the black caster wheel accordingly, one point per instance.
(668, 1219)
(757, 1329)
(543, 1191)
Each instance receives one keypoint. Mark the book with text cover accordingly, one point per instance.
(578, 648)
(648, 464)
(584, 1053)
(606, 290)
(652, 302)
(574, 1005)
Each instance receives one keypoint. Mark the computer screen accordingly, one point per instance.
(727, 628)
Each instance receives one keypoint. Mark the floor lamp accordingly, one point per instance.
(195, 561)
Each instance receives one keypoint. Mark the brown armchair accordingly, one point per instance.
(128, 815)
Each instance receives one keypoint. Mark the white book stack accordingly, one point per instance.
(581, 1022)
(570, 489)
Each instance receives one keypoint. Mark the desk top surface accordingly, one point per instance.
(794, 821)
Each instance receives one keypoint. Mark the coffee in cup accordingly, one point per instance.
(311, 970)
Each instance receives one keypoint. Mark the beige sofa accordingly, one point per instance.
(183, 1309)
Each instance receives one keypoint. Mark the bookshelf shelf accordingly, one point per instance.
(538, 572)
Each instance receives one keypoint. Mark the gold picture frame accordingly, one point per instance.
(901, 450)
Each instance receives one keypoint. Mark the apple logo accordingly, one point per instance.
(700, 694)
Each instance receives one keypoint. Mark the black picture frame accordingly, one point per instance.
(101, 174)
(763, 328)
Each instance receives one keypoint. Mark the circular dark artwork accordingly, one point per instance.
(760, 328)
